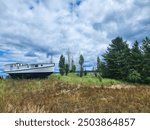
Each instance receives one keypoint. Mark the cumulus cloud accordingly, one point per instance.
(32, 30)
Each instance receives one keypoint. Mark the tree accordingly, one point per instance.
(73, 66)
(66, 69)
(62, 65)
(99, 71)
(136, 58)
(104, 69)
(69, 58)
(117, 59)
(94, 72)
(85, 72)
(146, 60)
(81, 62)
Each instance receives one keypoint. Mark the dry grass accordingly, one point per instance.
(55, 96)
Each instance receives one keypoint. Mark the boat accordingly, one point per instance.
(29, 71)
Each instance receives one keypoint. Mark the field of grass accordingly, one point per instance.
(73, 94)
(89, 80)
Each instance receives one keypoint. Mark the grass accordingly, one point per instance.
(85, 80)
(72, 94)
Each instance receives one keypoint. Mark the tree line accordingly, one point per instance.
(118, 62)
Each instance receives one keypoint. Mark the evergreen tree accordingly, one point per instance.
(73, 67)
(136, 58)
(117, 59)
(66, 69)
(104, 69)
(146, 60)
(62, 65)
(81, 62)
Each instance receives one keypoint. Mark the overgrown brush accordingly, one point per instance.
(58, 96)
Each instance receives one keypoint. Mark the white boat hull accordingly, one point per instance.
(30, 71)
(34, 70)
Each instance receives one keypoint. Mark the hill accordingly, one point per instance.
(73, 94)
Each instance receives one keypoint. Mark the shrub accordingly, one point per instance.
(147, 80)
(55, 76)
(134, 76)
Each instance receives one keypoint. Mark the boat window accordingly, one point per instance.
(41, 64)
(36, 65)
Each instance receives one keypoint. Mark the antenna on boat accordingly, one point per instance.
(51, 60)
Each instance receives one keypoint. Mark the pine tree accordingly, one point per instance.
(146, 60)
(62, 65)
(66, 69)
(104, 69)
(117, 59)
(136, 58)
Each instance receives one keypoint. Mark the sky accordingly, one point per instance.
(32, 30)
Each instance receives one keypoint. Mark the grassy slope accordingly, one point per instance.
(88, 80)
(58, 95)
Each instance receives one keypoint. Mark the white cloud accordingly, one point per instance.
(43, 27)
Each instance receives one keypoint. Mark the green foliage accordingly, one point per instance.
(94, 72)
(62, 65)
(81, 62)
(85, 72)
(99, 66)
(89, 79)
(147, 80)
(99, 69)
(117, 59)
(66, 69)
(103, 69)
(73, 68)
(136, 58)
(81, 71)
(55, 77)
(100, 78)
(146, 60)
(134, 76)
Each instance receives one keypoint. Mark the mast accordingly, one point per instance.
(51, 60)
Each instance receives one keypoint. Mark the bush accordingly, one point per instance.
(134, 76)
(147, 80)
(55, 76)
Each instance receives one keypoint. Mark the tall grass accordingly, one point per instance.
(60, 96)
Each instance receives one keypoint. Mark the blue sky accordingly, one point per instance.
(31, 30)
